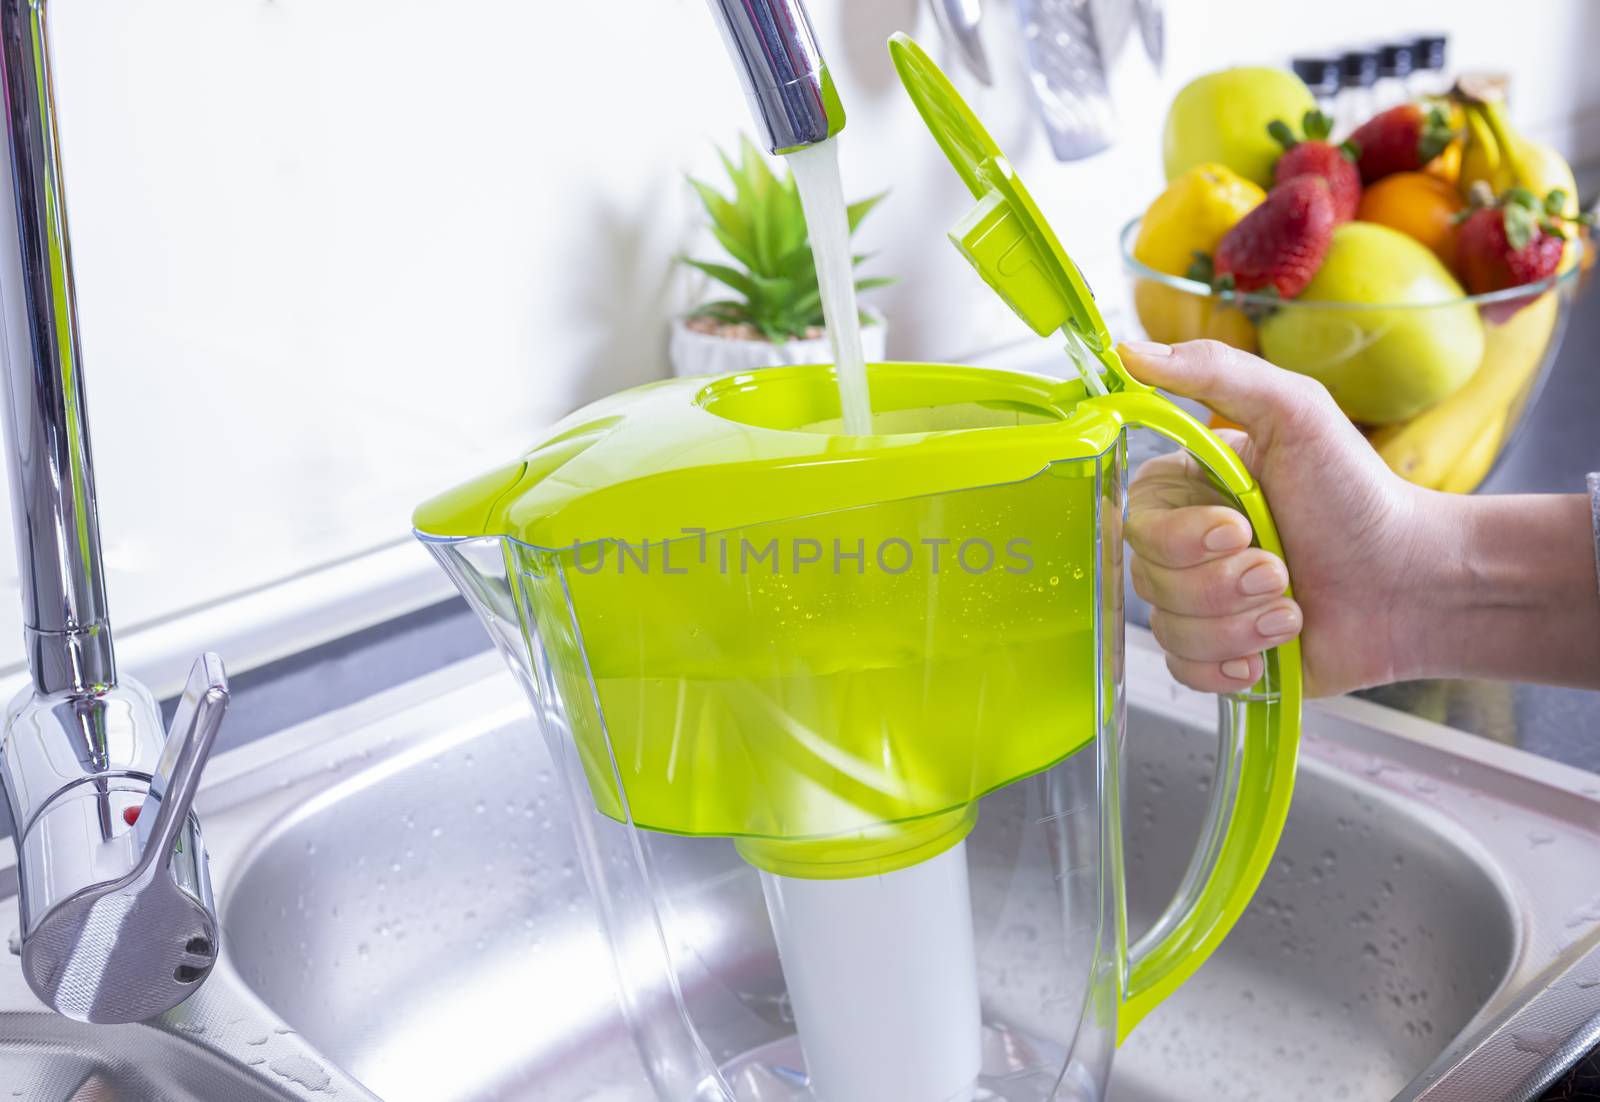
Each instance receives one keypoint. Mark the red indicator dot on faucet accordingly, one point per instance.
(130, 815)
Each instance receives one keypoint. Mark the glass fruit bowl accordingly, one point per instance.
(1439, 388)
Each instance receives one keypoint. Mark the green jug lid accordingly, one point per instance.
(1006, 236)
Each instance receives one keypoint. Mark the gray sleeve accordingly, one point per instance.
(1594, 512)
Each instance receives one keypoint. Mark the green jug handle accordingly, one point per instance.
(1260, 739)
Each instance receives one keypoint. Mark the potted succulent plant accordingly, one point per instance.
(775, 313)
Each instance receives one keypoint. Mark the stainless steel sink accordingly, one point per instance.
(404, 915)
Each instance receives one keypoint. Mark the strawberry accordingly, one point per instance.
(1316, 156)
(1401, 139)
(1510, 240)
(1280, 244)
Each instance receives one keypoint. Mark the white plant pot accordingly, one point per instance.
(696, 353)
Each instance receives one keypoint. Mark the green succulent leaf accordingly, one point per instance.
(797, 261)
(772, 330)
(809, 305)
(723, 212)
(872, 283)
(741, 250)
(858, 210)
(762, 227)
(722, 273)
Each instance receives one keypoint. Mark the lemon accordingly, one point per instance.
(1192, 216)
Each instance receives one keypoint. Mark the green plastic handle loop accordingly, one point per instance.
(1267, 756)
(1011, 244)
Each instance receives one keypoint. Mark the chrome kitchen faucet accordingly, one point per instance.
(118, 923)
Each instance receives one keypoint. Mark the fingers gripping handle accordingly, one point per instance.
(1255, 778)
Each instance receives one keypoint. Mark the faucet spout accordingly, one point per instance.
(118, 922)
(65, 623)
(792, 94)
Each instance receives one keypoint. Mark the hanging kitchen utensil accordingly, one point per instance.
(958, 25)
(1067, 70)
(1152, 18)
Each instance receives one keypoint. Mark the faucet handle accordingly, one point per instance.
(129, 948)
(183, 757)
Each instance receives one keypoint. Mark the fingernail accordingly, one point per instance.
(1227, 537)
(1262, 578)
(1147, 348)
(1280, 621)
(1237, 668)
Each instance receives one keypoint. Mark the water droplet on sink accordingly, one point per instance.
(1537, 838)
(1539, 1042)
(298, 1069)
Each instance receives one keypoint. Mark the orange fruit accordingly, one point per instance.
(1418, 204)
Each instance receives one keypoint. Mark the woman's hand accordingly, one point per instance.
(1352, 531)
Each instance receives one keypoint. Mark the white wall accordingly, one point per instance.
(342, 253)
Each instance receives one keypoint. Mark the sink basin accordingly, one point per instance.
(405, 920)
(421, 917)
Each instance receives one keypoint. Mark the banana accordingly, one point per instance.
(1496, 154)
(1473, 465)
(1433, 447)
(1483, 158)
(1452, 445)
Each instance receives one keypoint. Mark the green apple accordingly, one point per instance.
(1401, 338)
(1223, 117)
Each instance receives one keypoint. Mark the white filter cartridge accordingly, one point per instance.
(883, 979)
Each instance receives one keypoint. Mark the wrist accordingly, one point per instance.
(1504, 588)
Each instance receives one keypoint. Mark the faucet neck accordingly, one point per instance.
(66, 626)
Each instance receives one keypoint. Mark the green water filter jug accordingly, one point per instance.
(841, 717)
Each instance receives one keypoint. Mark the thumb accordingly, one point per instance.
(1245, 389)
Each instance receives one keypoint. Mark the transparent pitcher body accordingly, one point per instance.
(846, 785)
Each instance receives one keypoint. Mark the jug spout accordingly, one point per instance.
(477, 566)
